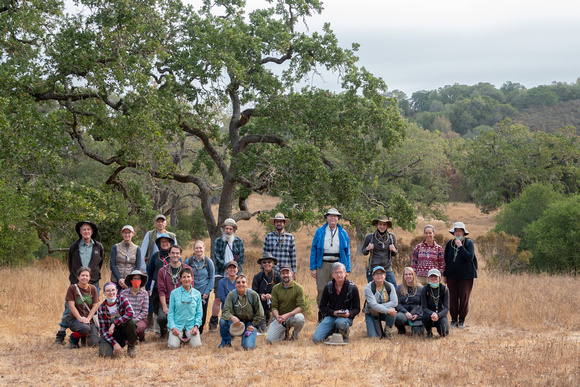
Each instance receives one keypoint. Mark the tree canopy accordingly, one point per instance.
(209, 96)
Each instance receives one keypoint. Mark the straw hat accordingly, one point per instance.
(384, 219)
(237, 329)
(279, 216)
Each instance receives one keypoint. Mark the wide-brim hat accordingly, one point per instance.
(93, 226)
(459, 225)
(279, 216)
(230, 222)
(237, 329)
(384, 219)
(335, 339)
(267, 255)
(333, 211)
(144, 277)
(158, 240)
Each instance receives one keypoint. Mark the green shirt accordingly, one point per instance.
(285, 300)
(243, 309)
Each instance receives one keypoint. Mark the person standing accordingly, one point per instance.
(84, 252)
(185, 311)
(460, 271)
(382, 247)
(149, 247)
(435, 305)
(330, 244)
(159, 259)
(168, 279)
(125, 258)
(228, 248)
(203, 274)
(287, 305)
(427, 255)
(280, 244)
(263, 283)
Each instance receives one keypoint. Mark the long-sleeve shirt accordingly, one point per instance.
(149, 247)
(166, 283)
(243, 308)
(331, 301)
(317, 249)
(282, 247)
(427, 257)
(185, 309)
(219, 252)
(203, 274)
(435, 300)
(285, 300)
(225, 286)
(460, 263)
(124, 312)
(139, 302)
(381, 254)
(381, 300)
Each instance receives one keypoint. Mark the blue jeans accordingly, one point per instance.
(248, 342)
(327, 326)
(370, 322)
(65, 315)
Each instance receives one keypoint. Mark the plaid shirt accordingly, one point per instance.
(124, 314)
(219, 249)
(283, 248)
(427, 257)
(139, 303)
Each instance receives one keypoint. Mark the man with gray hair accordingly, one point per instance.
(226, 249)
(340, 303)
(329, 245)
(427, 255)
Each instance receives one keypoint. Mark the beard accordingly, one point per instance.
(228, 238)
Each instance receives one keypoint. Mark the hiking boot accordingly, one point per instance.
(401, 331)
(60, 336)
(131, 350)
(224, 345)
(83, 341)
(429, 334)
(213, 323)
(73, 343)
(388, 332)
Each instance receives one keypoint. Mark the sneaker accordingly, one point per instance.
(453, 324)
(224, 345)
(429, 335)
(131, 350)
(60, 336)
(461, 324)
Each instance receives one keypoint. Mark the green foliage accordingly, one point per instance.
(194, 223)
(256, 240)
(501, 162)
(500, 252)
(554, 238)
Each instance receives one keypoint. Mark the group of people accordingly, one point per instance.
(153, 287)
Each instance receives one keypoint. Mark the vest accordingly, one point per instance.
(125, 260)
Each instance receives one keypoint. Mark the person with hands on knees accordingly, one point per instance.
(409, 311)
(185, 312)
(381, 300)
(83, 302)
(435, 304)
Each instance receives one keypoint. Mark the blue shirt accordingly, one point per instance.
(203, 274)
(185, 310)
(85, 252)
(224, 288)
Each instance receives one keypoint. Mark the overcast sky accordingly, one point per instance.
(422, 45)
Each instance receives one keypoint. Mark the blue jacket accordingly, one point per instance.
(317, 250)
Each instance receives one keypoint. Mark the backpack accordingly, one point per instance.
(250, 296)
(330, 288)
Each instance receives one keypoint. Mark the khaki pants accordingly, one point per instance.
(175, 341)
(323, 277)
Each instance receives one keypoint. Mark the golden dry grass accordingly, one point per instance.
(521, 330)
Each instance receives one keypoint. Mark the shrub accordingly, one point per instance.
(500, 252)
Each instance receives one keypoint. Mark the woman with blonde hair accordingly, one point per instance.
(409, 311)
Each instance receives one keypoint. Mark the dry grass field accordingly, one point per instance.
(522, 330)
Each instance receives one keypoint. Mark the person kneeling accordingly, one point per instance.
(435, 304)
(242, 306)
(185, 313)
(339, 303)
(116, 324)
(381, 299)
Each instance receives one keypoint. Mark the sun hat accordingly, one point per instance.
(279, 216)
(434, 272)
(459, 225)
(335, 339)
(333, 211)
(237, 329)
(267, 255)
(384, 219)
(136, 272)
(379, 268)
(93, 226)
(230, 222)
(128, 227)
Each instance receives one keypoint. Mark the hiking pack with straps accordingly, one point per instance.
(330, 288)
(250, 294)
(189, 261)
(389, 242)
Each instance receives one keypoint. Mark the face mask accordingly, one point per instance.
(111, 300)
(434, 285)
(136, 283)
